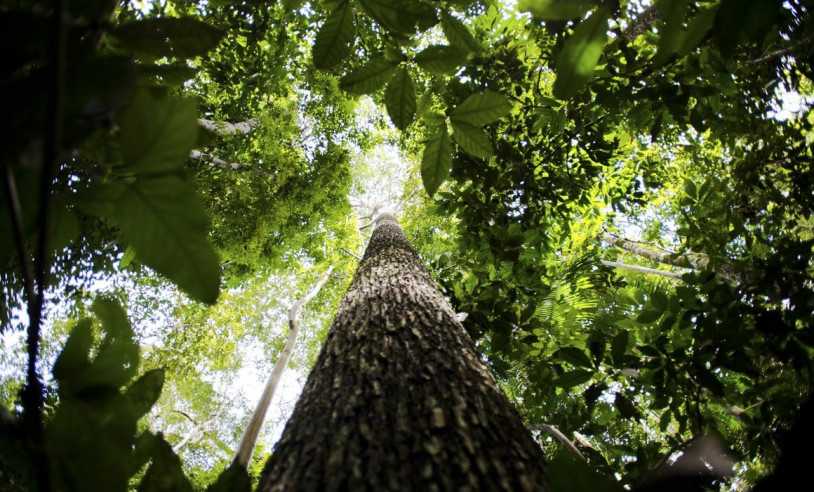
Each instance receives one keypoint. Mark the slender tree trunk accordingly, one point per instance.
(249, 439)
(399, 398)
(641, 269)
(226, 128)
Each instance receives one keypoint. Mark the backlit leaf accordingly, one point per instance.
(436, 160)
(335, 38)
(579, 56)
(157, 132)
(368, 78)
(556, 9)
(481, 108)
(399, 98)
(573, 378)
(458, 34)
(163, 220)
(472, 139)
(440, 59)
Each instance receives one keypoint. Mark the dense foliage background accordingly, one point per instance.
(617, 194)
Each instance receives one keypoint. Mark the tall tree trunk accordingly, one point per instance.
(399, 398)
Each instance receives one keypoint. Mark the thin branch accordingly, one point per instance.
(351, 254)
(783, 51)
(641, 269)
(569, 445)
(187, 415)
(249, 439)
(226, 128)
(197, 155)
(642, 23)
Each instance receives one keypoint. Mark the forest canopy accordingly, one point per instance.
(615, 195)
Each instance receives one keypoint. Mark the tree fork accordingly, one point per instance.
(399, 398)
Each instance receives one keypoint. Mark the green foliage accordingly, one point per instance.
(578, 58)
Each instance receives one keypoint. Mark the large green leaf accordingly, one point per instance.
(184, 37)
(573, 378)
(437, 159)
(567, 473)
(165, 472)
(440, 59)
(163, 220)
(369, 78)
(458, 34)
(481, 108)
(573, 356)
(399, 98)
(556, 9)
(157, 132)
(579, 56)
(74, 356)
(472, 139)
(335, 38)
(398, 16)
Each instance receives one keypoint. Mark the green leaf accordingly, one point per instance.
(169, 74)
(399, 98)
(74, 356)
(648, 316)
(566, 473)
(165, 473)
(481, 108)
(458, 34)
(697, 29)
(659, 300)
(157, 132)
(440, 59)
(573, 356)
(335, 38)
(117, 360)
(436, 160)
(573, 378)
(144, 392)
(369, 78)
(398, 16)
(556, 9)
(184, 37)
(235, 478)
(671, 33)
(472, 139)
(619, 346)
(579, 56)
(162, 219)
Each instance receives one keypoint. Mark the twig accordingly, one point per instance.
(641, 269)
(197, 155)
(351, 254)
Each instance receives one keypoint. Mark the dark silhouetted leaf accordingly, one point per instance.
(574, 378)
(185, 37)
(472, 139)
(556, 9)
(440, 59)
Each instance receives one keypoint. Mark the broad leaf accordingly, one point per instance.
(481, 108)
(157, 132)
(573, 356)
(399, 98)
(164, 222)
(472, 139)
(458, 34)
(619, 346)
(579, 56)
(369, 78)
(144, 392)
(574, 378)
(440, 59)
(400, 17)
(335, 38)
(185, 37)
(235, 478)
(436, 160)
(165, 473)
(567, 473)
(74, 356)
(556, 9)
(117, 360)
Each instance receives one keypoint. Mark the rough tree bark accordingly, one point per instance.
(399, 398)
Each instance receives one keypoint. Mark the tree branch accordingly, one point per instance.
(197, 155)
(560, 437)
(249, 439)
(226, 128)
(641, 269)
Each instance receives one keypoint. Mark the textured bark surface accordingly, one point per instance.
(399, 399)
